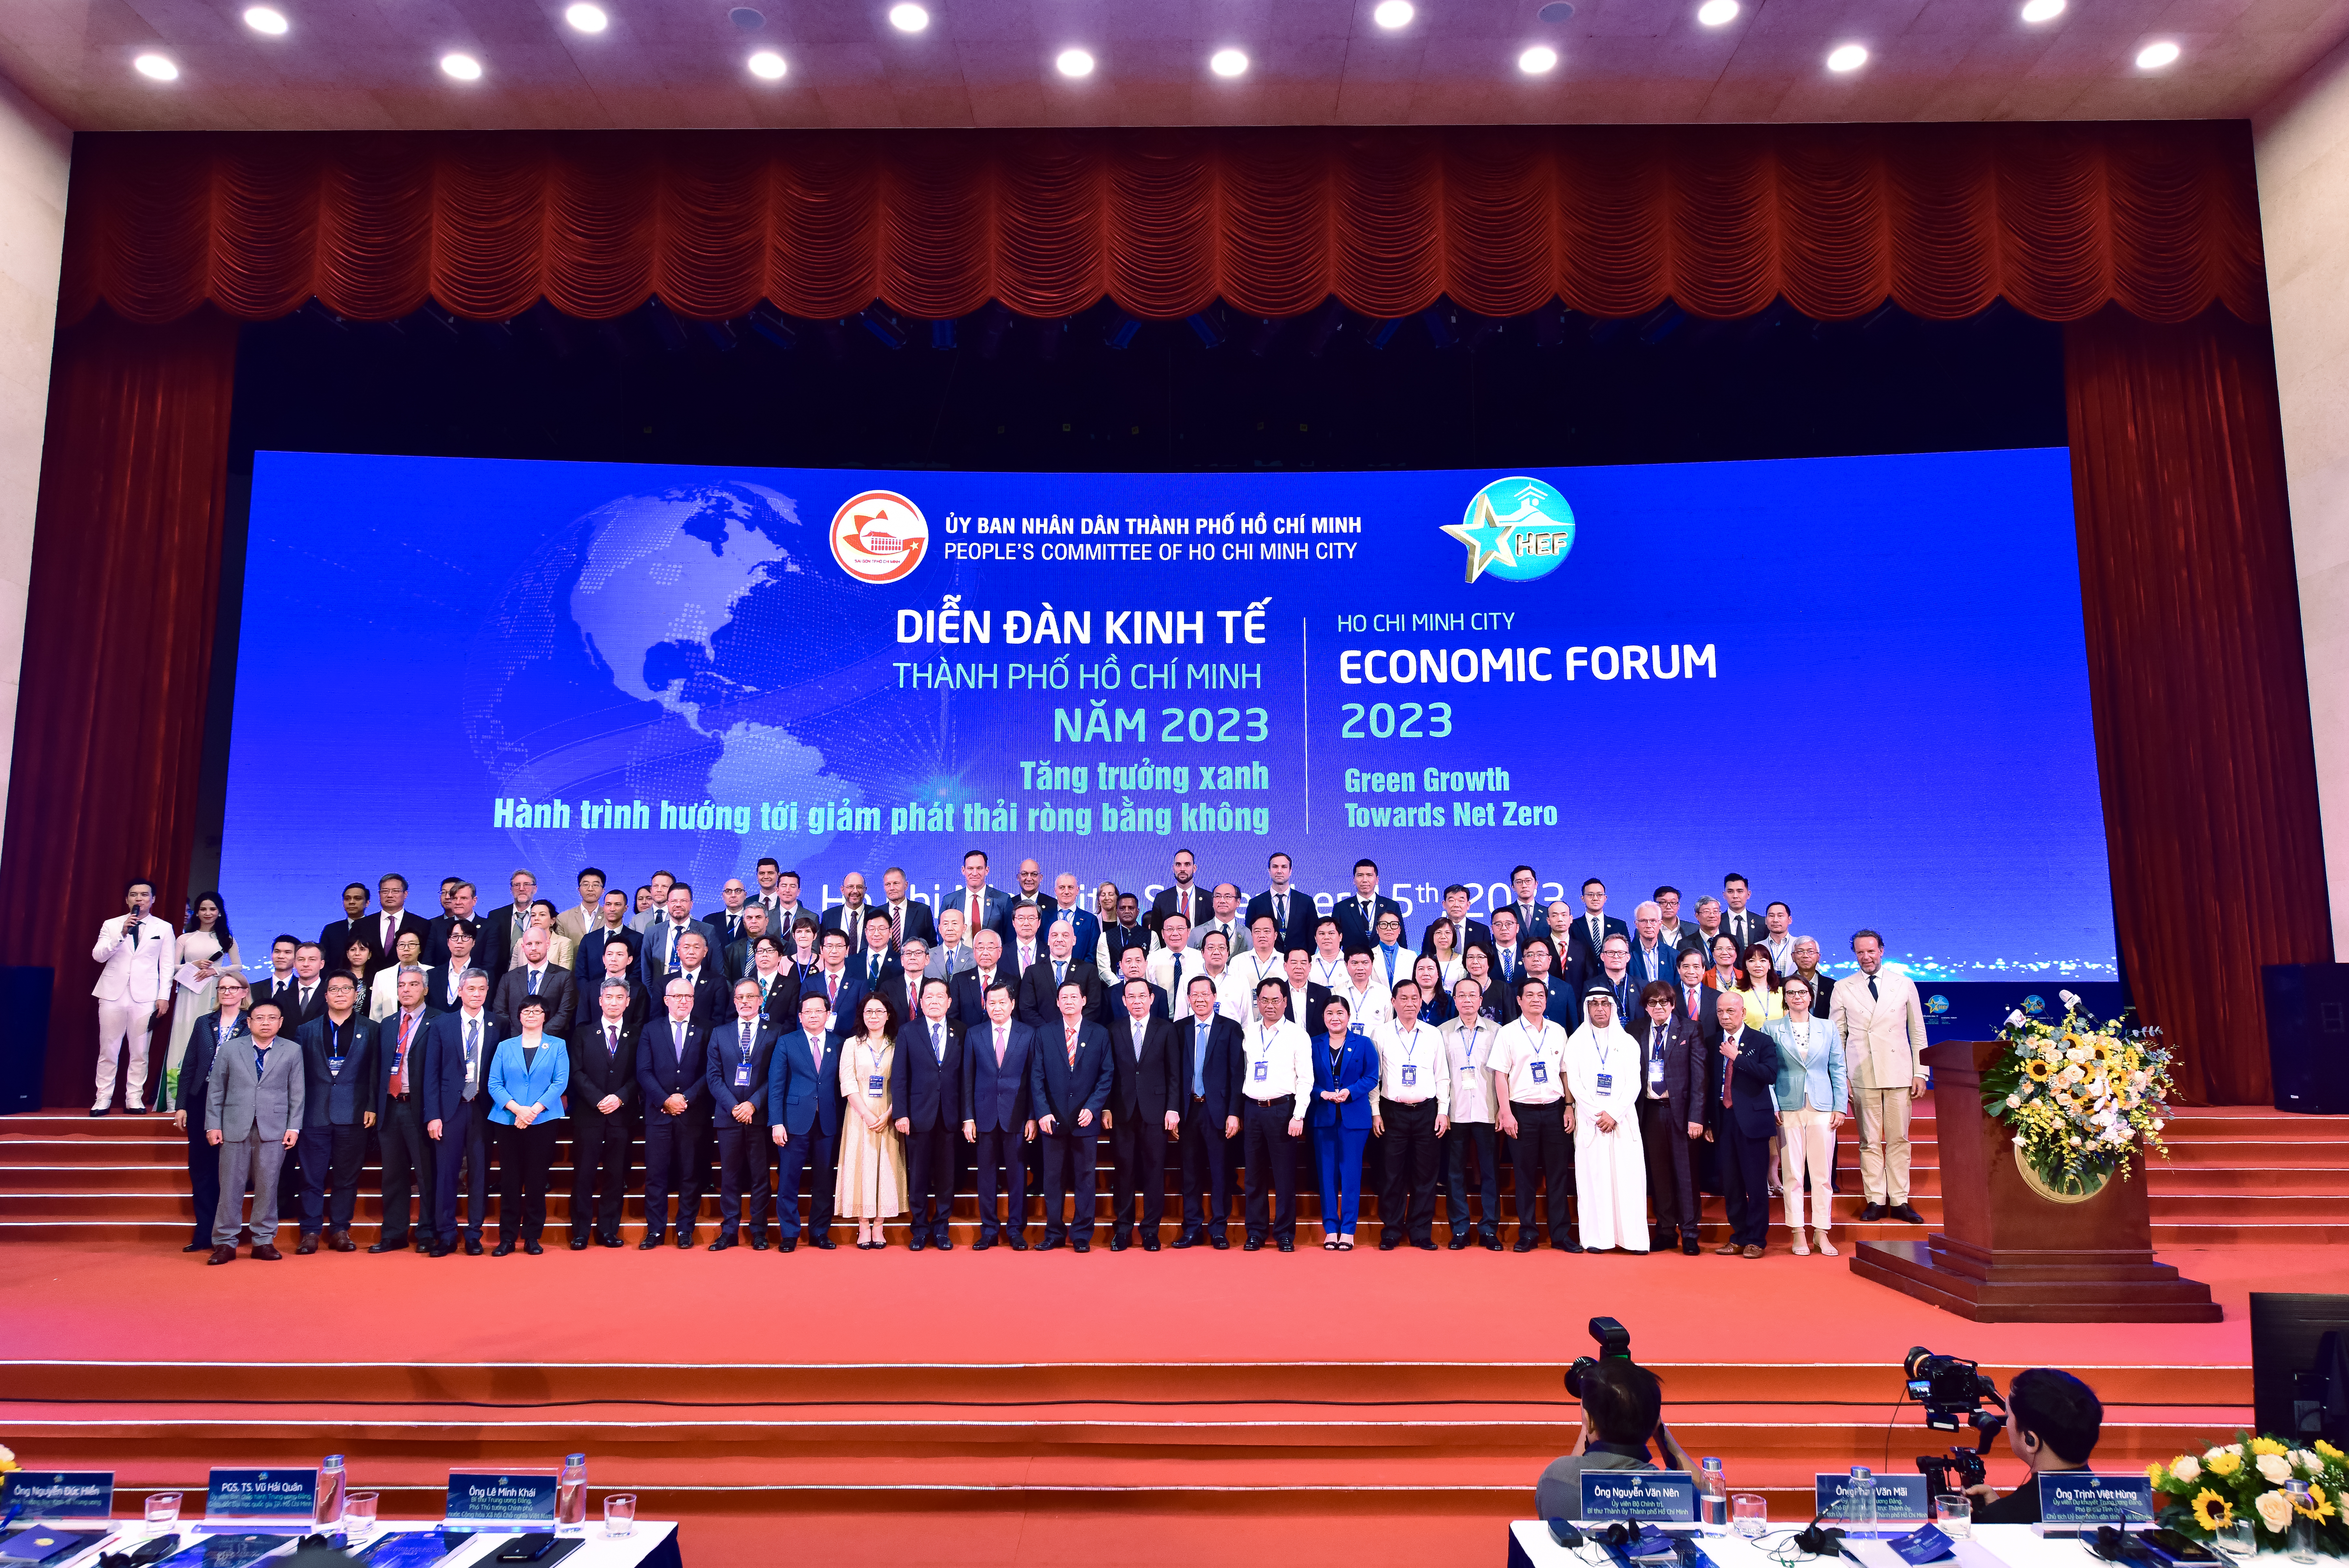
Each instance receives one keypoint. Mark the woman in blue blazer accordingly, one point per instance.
(1345, 1070)
(1813, 1089)
(527, 1077)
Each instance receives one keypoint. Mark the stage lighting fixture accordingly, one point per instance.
(587, 19)
(885, 328)
(747, 19)
(1120, 332)
(1210, 335)
(1717, 12)
(1557, 11)
(1538, 60)
(266, 19)
(1323, 325)
(464, 67)
(1074, 63)
(1382, 333)
(2153, 56)
(942, 333)
(2042, 10)
(1848, 57)
(156, 69)
(1228, 63)
(1393, 13)
(908, 17)
(774, 326)
(768, 66)
(1439, 327)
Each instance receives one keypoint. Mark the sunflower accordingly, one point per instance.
(2225, 1462)
(2328, 1450)
(2268, 1446)
(2102, 1048)
(2212, 1512)
(2035, 1070)
(2318, 1507)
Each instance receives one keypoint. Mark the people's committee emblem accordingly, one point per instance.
(1517, 529)
(879, 537)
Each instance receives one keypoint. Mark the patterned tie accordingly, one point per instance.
(1072, 1051)
(473, 1055)
(611, 1041)
(399, 1061)
(534, 983)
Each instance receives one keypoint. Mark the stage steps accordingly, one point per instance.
(2236, 1175)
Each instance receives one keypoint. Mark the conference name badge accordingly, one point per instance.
(1661, 1497)
(1410, 1077)
(1263, 1071)
(1606, 1081)
(742, 1075)
(1541, 1071)
(873, 1087)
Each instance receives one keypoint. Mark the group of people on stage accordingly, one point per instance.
(859, 1055)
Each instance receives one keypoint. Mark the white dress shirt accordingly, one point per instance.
(1420, 1048)
(1279, 1063)
(1162, 972)
(1532, 1063)
(1369, 1005)
(1468, 1051)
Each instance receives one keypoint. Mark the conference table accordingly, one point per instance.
(1992, 1546)
(650, 1546)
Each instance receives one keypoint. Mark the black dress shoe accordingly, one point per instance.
(1220, 1242)
(578, 1243)
(759, 1243)
(1907, 1212)
(399, 1246)
(1571, 1247)
(942, 1245)
(307, 1245)
(220, 1254)
(982, 1244)
(197, 1247)
(1424, 1246)
(1081, 1245)
(1185, 1241)
(649, 1243)
(436, 1249)
(1117, 1243)
(501, 1249)
(915, 1243)
(609, 1241)
(1150, 1243)
(532, 1249)
(473, 1246)
(1253, 1244)
(720, 1244)
(1017, 1244)
(1872, 1211)
(1457, 1244)
(823, 1244)
(788, 1244)
(1689, 1249)
(685, 1239)
(1389, 1246)
(1287, 1245)
(1047, 1244)
(1525, 1246)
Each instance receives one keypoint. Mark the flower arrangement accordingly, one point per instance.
(2080, 1095)
(2248, 1478)
(7, 1460)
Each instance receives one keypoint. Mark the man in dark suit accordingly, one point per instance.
(1207, 1073)
(726, 923)
(739, 1053)
(457, 904)
(998, 1062)
(611, 926)
(1029, 895)
(1807, 964)
(1652, 958)
(1070, 1086)
(665, 938)
(1465, 933)
(1357, 916)
(1292, 912)
(673, 1077)
(1672, 1100)
(983, 905)
(971, 986)
(1069, 909)
(1743, 1111)
(195, 1074)
(458, 1050)
(738, 955)
(441, 981)
(803, 1111)
(1128, 931)
(847, 916)
(279, 985)
(1588, 935)
(874, 965)
(407, 1149)
(1695, 1001)
(908, 917)
(900, 987)
(1184, 897)
(502, 926)
(339, 1103)
(1039, 988)
(925, 1086)
(1525, 886)
(838, 981)
(693, 965)
(1614, 972)
(384, 928)
(309, 996)
(1143, 1111)
(1307, 998)
(1108, 1005)
(1744, 924)
(777, 983)
(550, 983)
(600, 1104)
(335, 936)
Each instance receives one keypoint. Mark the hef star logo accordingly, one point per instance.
(1517, 529)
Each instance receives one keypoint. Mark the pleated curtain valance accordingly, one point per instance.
(2058, 220)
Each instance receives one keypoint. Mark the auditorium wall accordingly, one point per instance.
(35, 152)
(2302, 142)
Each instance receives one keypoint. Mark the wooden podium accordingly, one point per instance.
(2007, 1254)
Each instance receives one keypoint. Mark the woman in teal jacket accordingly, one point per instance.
(1813, 1089)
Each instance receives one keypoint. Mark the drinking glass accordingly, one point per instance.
(1749, 1514)
(358, 1514)
(620, 1514)
(2238, 1539)
(162, 1512)
(1954, 1512)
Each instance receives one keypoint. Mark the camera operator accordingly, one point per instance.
(1622, 1410)
(2054, 1421)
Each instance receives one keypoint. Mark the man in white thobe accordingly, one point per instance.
(1611, 1173)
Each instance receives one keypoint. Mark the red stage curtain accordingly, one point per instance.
(2198, 679)
(2058, 220)
(118, 650)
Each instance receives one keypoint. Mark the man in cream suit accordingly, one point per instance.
(133, 989)
(1882, 1023)
(253, 1115)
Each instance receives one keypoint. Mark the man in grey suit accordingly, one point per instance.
(253, 1115)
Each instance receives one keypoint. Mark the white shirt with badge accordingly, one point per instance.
(1163, 964)
(1412, 1065)
(1468, 1051)
(1533, 1062)
(1369, 1005)
(1279, 1063)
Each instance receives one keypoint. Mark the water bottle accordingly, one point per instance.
(1712, 1500)
(330, 1490)
(2300, 1537)
(1859, 1502)
(571, 1495)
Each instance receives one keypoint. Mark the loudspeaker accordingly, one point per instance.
(2308, 1035)
(23, 1036)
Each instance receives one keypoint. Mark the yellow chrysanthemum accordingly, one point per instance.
(2212, 1512)
(2329, 1451)
(2318, 1507)
(2153, 1473)
(2268, 1446)
(2225, 1462)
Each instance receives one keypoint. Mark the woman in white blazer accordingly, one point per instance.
(1813, 1089)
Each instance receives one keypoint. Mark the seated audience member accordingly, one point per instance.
(2054, 1421)
(1622, 1413)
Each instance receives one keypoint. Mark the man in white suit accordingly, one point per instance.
(133, 989)
(1882, 1023)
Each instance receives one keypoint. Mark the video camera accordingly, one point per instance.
(1953, 1392)
(1614, 1345)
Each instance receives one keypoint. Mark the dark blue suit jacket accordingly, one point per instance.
(443, 1088)
(1756, 1106)
(589, 965)
(196, 1067)
(1302, 913)
(1356, 1071)
(1348, 912)
(659, 1074)
(801, 1094)
(358, 1070)
(1084, 922)
(1059, 1090)
(924, 1090)
(997, 1098)
(1226, 1068)
(724, 1052)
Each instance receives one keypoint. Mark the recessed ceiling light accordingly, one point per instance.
(1539, 58)
(464, 67)
(157, 67)
(908, 17)
(1227, 63)
(2153, 56)
(265, 19)
(1074, 63)
(1848, 57)
(587, 19)
(1557, 11)
(768, 66)
(1717, 12)
(1393, 13)
(2042, 10)
(747, 19)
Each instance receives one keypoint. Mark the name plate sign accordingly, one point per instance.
(1659, 1497)
(58, 1494)
(502, 1497)
(262, 1497)
(1899, 1499)
(2074, 1499)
